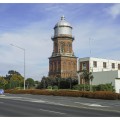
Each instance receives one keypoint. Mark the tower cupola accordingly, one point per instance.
(62, 28)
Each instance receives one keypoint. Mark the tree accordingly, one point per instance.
(87, 77)
(71, 81)
(36, 83)
(42, 83)
(11, 72)
(3, 82)
(30, 82)
(91, 77)
(16, 80)
(60, 83)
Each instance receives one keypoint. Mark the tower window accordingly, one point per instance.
(68, 47)
(62, 47)
(104, 65)
(94, 63)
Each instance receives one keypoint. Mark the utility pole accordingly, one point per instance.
(90, 46)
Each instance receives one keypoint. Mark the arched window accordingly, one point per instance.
(68, 47)
(62, 47)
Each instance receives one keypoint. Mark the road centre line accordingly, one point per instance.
(52, 111)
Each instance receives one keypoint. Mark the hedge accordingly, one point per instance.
(72, 93)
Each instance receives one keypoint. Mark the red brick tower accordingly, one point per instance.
(63, 62)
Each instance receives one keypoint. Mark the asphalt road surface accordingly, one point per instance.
(21, 105)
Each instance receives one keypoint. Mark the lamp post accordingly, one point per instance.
(24, 60)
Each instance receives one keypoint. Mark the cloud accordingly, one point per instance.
(114, 10)
(36, 39)
(103, 40)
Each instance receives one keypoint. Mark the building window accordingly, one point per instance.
(118, 66)
(94, 63)
(104, 65)
(84, 66)
(113, 65)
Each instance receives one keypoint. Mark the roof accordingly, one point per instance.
(62, 22)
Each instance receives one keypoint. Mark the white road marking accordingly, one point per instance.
(38, 101)
(2, 95)
(53, 103)
(89, 104)
(24, 99)
(47, 102)
(32, 100)
(52, 111)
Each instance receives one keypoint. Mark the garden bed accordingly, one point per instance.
(72, 93)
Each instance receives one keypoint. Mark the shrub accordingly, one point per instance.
(81, 87)
(100, 87)
(78, 87)
(105, 95)
(49, 87)
(104, 87)
(119, 96)
(97, 95)
(55, 87)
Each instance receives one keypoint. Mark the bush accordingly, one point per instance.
(105, 95)
(119, 96)
(78, 87)
(55, 87)
(81, 87)
(101, 87)
(104, 87)
(49, 87)
(97, 95)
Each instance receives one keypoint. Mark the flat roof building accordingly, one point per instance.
(103, 70)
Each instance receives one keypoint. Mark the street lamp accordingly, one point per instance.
(24, 60)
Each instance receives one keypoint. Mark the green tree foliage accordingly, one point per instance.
(11, 72)
(82, 87)
(14, 79)
(29, 82)
(61, 83)
(105, 87)
(100, 87)
(87, 76)
(3, 82)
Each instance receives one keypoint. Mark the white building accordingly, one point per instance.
(98, 64)
(103, 70)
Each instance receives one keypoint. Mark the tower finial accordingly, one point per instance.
(63, 17)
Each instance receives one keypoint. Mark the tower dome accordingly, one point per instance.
(62, 28)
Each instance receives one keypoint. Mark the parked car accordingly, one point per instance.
(1, 91)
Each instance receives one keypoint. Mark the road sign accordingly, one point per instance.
(1, 91)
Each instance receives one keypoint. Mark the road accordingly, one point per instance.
(26, 105)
